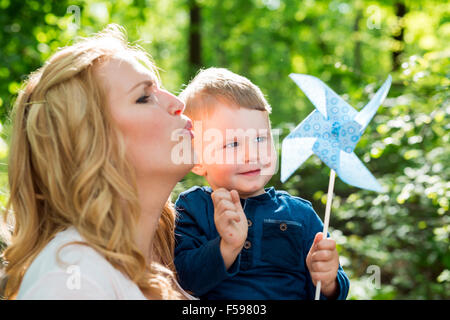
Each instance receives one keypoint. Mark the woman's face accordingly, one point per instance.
(149, 117)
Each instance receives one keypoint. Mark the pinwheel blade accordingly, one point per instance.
(322, 96)
(352, 171)
(366, 114)
(294, 151)
(314, 89)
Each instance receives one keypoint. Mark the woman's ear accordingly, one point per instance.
(199, 169)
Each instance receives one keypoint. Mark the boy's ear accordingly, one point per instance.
(199, 169)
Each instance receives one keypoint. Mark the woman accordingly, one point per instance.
(90, 176)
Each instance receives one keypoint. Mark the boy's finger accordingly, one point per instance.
(235, 198)
(219, 194)
(322, 276)
(317, 239)
(232, 216)
(320, 266)
(326, 244)
(322, 255)
(224, 205)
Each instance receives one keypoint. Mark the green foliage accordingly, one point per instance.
(350, 45)
(406, 230)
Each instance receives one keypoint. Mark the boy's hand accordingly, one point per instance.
(323, 263)
(231, 223)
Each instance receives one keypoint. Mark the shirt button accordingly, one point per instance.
(283, 226)
(249, 222)
(247, 245)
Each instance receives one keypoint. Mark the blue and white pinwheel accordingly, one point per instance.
(331, 132)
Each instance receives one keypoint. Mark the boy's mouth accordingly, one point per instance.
(252, 172)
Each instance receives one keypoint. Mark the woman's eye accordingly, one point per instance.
(143, 99)
(232, 144)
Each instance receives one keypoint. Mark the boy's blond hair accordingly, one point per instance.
(214, 85)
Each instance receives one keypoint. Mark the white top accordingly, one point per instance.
(81, 273)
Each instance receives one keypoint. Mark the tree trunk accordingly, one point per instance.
(357, 62)
(400, 11)
(195, 45)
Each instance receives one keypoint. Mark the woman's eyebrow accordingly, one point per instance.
(145, 82)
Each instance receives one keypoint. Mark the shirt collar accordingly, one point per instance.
(269, 193)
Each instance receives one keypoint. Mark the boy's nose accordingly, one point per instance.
(251, 153)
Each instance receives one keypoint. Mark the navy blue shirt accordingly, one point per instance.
(272, 264)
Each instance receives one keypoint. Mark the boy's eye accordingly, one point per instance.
(261, 139)
(232, 144)
(143, 99)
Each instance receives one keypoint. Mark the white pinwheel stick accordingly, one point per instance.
(327, 219)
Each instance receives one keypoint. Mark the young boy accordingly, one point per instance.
(237, 239)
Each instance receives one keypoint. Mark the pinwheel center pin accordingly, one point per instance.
(335, 129)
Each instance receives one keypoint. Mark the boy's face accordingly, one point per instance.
(237, 149)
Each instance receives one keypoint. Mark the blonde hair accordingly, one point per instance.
(68, 167)
(213, 85)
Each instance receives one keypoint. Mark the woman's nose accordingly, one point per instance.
(177, 108)
(174, 105)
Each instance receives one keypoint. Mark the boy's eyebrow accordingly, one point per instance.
(259, 133)
(148, 83)
(231, 139)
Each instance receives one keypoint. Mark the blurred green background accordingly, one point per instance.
(393, 245)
